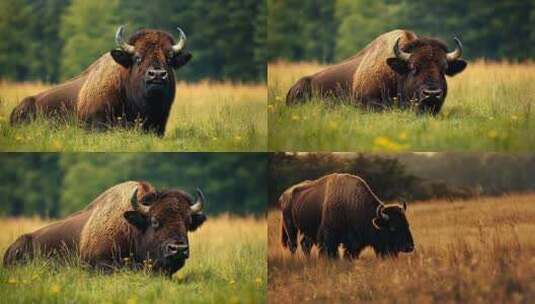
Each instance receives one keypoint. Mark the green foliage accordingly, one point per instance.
(87, 31)
(301, 30)
(360, 22)
(57, 39)
(491, 29)
(53, 184)
(411, 176)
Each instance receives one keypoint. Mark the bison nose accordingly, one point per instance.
(177, 249)
(432, 93)
(156, 74)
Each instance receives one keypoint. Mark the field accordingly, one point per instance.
(490, 107)
(222, 268)
(478, 251)
(204, 117)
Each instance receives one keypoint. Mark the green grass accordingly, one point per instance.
(204, 117)
(490, 107)
(221, 269)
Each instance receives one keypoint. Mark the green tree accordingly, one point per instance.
(87, 29)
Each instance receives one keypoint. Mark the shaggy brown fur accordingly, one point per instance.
(109, 94)
(339, 209)
(103, 236)
(368, 79)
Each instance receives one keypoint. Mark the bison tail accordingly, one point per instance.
(300, 92)
(24, 112)
(19, 251)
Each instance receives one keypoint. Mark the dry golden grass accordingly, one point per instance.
(489, 107)
(477, 251)
(206, 116)
(227, 264)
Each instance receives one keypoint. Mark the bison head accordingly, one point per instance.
(393, 231)
(150, 57)
(163, 220)
(422, 64)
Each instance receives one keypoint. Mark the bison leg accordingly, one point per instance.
(306, 244)
(328, 243)
(353, 246)
(291, 233)
(20, 251)
(24, 112)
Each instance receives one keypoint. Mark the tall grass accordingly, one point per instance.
(478, 251)
(204, 117)
(223, 268)
(490, 106)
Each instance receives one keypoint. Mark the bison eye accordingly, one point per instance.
(137, 59)
(154, 223)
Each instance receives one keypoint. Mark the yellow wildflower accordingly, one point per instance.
(55, 289)
(492, 134)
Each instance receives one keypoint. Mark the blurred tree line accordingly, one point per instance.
(331, 30)
(52, 40)
(410, 176)
(57, 184)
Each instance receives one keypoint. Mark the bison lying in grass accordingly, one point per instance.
(130, 224)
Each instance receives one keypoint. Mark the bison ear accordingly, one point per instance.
(379, 223)
(121, 58)
(400, 66)
(180, 59)
(196, 221)
(455, 67)
(136, 219)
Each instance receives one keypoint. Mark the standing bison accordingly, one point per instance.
(397, 68)
(341, 209)
(131, 85)
(129, 224)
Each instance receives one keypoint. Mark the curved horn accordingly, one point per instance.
(135, 204)
(121, 42)
(457, 53)
(181, 41)
(199, 202)
(399, 53)
(379, 212)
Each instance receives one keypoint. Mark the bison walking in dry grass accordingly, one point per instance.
(130, 224)
(341, 209)
(131, 85)
(398, 68)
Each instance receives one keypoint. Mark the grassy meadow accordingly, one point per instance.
(204, 117)
(489, 107)
(476, 251)
(222, 268)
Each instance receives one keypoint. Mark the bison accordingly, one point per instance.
(130, 224)
(341, 209)
(398, 68)
(133, 85)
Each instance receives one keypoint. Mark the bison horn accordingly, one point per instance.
(457, 53)
(181, 42)
(199, 202)
(135, 204)
(121, 42)
(379, 212)
(399, 53)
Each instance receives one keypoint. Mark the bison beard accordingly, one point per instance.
(131, 86)
(131, 224)
(341, 209)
